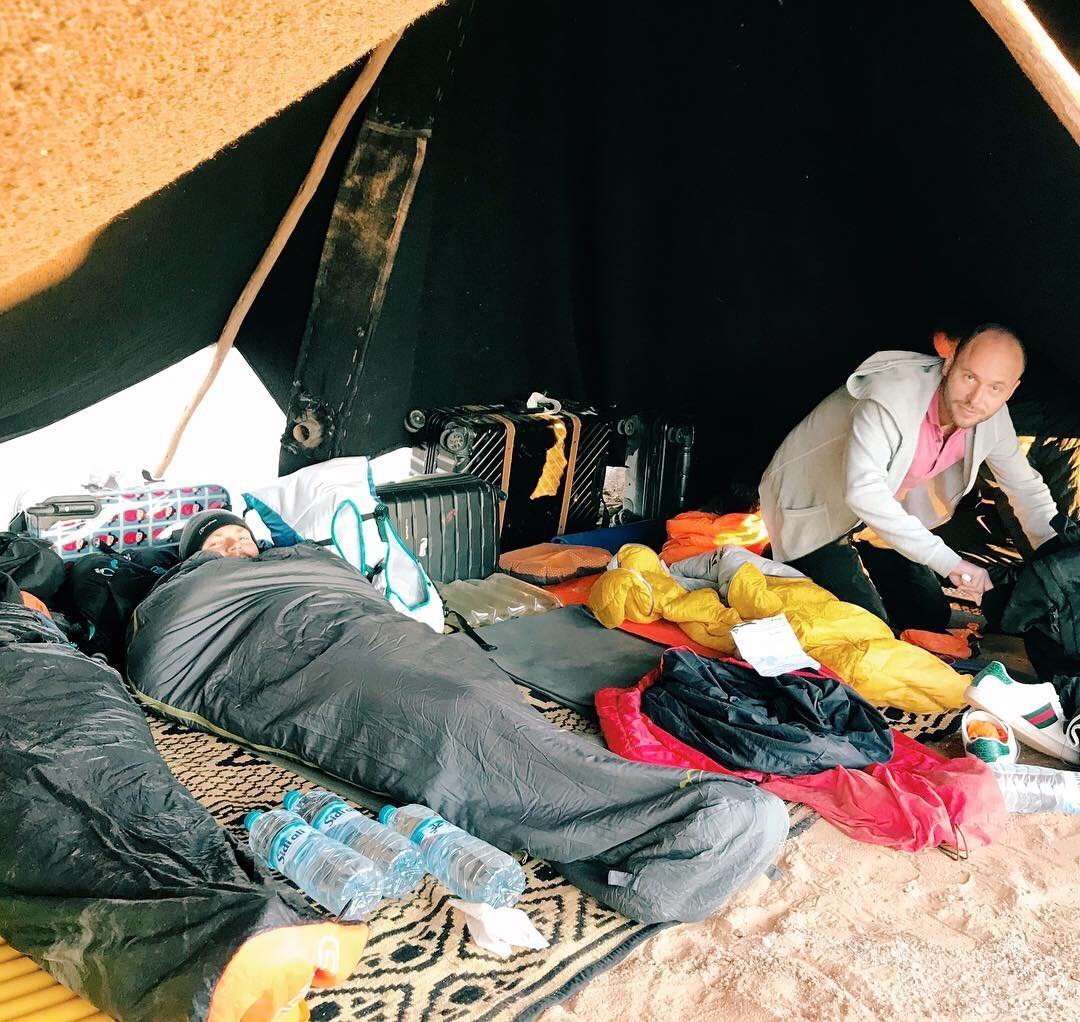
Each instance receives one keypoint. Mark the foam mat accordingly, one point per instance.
(28, 994)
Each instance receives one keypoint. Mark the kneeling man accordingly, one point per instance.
(853, 493)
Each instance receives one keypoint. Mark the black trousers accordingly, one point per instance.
(900, 592)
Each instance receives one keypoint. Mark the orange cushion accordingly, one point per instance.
(549, 563)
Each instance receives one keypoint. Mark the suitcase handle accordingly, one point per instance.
(87, 508)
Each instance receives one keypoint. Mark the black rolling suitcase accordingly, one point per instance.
(450, 522)
(550, 464)
(658, 456)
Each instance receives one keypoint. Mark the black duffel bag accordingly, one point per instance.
(1045, 604)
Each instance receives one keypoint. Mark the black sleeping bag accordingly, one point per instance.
(32, 564)
(112, 877)
(791, 725)
(296, 651)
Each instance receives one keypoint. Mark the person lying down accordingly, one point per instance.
(291, 649)
(112, 877)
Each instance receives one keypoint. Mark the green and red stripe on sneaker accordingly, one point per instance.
(1043, 717)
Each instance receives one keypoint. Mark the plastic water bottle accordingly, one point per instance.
(336, 877)
(1032, 789)
(397, 858)
(469, 868)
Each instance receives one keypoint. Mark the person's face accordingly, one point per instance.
(980, 379)
(231, 541)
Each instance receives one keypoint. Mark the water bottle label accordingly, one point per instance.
(329, 815)
(425, 827)
(286, 838)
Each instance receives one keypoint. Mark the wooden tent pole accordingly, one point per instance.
(351, 103)
(1038, 56)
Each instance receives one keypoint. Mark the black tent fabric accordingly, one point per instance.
(614, 200)
(766, 198)
(112, 877)
(296, 652)
(159, 282)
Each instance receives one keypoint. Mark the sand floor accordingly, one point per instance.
(852, 931)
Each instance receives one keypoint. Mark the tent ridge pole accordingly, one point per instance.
(353, 99)
(1038, 56)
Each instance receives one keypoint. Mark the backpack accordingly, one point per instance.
(1045, 605)
(102, 592)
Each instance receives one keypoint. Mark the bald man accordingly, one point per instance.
(853, 493)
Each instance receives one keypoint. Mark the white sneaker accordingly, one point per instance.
(1032, 711)
(989, 750)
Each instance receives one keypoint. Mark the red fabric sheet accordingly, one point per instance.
(917, 800)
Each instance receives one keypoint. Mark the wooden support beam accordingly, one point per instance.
(1038, 56)
(363, 85)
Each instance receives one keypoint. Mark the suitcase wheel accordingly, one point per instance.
(627, 427)
(681, 436)
(415, 421)
(456, 440)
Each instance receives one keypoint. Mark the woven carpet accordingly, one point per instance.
(420, 963)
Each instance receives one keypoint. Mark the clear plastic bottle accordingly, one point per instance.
(1032, 789)
(397, 858)
(469, 868)
(339, 879)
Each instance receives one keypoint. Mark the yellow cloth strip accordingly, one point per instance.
(555, 463)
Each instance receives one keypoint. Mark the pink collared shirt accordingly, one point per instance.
(933, 453)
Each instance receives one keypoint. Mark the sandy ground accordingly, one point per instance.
(854, 932)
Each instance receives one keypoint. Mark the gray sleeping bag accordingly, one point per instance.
(296, 652)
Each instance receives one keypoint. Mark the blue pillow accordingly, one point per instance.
(281, 532)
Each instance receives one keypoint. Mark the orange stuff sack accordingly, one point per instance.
(698, 532)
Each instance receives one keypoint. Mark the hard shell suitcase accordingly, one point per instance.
(450, 522)
(658, 455)
(549, 464)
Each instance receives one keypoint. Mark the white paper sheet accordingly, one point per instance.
(771, 647)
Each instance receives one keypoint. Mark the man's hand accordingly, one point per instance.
(971, 580)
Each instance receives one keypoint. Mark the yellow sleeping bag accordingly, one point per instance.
(855, 644)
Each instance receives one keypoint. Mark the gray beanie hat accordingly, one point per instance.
(199, 528)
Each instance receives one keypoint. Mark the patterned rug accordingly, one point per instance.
(420, 964)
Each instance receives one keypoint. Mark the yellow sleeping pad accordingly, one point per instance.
(29, 994)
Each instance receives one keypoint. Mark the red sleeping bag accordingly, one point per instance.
(919, 799)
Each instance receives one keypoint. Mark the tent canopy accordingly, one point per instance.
(722, 214)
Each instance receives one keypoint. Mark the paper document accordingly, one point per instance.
(770, 647)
